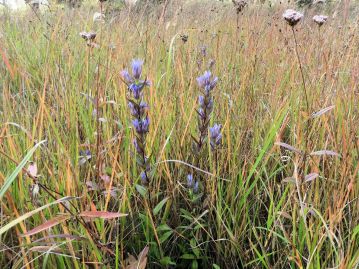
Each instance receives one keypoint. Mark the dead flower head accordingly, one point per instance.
(239, 5)
(292, 17)
(88, 36)
(320, 19)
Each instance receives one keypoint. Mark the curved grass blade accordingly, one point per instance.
(46, 225)
(322, 111)
(29, 214)
(101, 214)
(325, 152)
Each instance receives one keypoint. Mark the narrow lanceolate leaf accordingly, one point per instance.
(142, 190)
(54, 249)
(29, 214)
(289, 180)
(51, 249)
(310, 177)
(322, 111)
(159, 206)
(60, 236)
(325, 152)
(101, 214)
(17, 170)
(48, 224)
(289, 147)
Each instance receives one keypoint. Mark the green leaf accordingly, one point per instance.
(163, 227)
(215, 266)
(188, 257)
(167, 261)
(159, 206)
(165, 236)
(142, 190)
(355, 232)
(194, 247)
(21, 165)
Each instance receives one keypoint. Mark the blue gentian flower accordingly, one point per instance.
(196, 187)
(141, 126)
(205, 81)
(126, 76)
(215, 135)
(143, 177)
(137, 68)
(190, 180)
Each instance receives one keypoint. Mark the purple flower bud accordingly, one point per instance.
(215, 135)
(137, 68)
(141, 126)
(205, 82)
(203, 50)
(204, 79)
(201, 113)
(126, 76)
(137, 124)
(196, 187)
(143, 178)
(190, 180)
(201, 101)
(133, 109)
(137, 111)
(136, 90)
(210, 105)
(145, 124)
(137, 146)
(205, 104)
(143, 107)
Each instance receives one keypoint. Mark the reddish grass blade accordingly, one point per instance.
(310, 177)
(7, 63)
(325, 152)
(67, 236)
(101, 214)
(287, 146)
(48, 224)
(322, 111)
(289, 180)
(51, 249)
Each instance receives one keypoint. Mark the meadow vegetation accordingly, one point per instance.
(260, 172)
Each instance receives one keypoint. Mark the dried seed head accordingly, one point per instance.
(239, 5)
(184, 38)
(320, 19)
(88, 36)
(292, 17)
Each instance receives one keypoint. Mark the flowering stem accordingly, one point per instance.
(307, 127)
(301, 69)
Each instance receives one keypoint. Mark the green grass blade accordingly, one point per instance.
(21, 165)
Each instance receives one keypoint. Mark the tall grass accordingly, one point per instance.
(258, 212)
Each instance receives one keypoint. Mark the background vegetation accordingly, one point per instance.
(264, 204)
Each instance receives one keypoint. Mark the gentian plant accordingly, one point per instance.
(206, 84)
(139, 111)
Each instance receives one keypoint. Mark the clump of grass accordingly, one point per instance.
(265, 206)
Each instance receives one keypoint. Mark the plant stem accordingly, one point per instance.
(301, 70)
